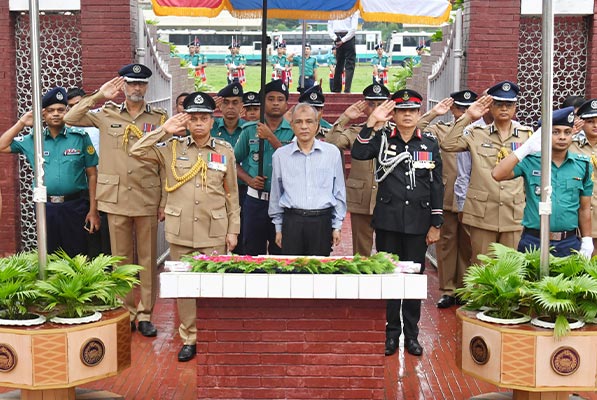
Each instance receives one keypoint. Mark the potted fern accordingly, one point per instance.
(496, 286)
(77, 288)
(18, 274)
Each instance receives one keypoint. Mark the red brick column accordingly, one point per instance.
(491, 46)
(9, 174)
(280, 348)
(591, 86)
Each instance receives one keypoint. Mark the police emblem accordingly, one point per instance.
(376, 89)
(8, 358)
(506, 87)
(467, 95)
(59, 96)
(313, 96)
(136, 68)
(565, 361)
(594, 104)
(199, 100)
(235, 90)
(251, 96)
(92, 352)
(405, 97)
(90, 150)
(479, 350)
(570, 117)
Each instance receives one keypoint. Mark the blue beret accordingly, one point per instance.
(464, 97)
(54, 96)
(376, 91)
(235, 89)
(407, 98)
(199, 102)
(276, 86)
(588, 109)
(313, 96)
(251, 99)
(135, 73)
(504, 91)
(562, 117)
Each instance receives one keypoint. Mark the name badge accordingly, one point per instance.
(71, 152)
(253, 141)
(116, 126)
(182, 158)
(536, 172)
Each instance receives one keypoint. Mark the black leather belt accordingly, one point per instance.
(62, 199)
(309, 213)
(552, 235)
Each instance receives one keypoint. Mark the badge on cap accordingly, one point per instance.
(136, 69)
(59, 96)
(405, 96)
(199, 100)
(594, 104)
(506, 87)
(376, 89)
(235, 90)
(467, 95)
(313, 96)
(570, 117)
(251, 96)
(283, 87)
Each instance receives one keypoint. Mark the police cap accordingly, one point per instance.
(135, 73)
(276, 86)
(282, 45)
(251, 99)
(313, 96)
(378, 46)
(235, 89)
(199, 102)
(464, 98)
(54, 96)
(561, 117)
(407, 98)
(376, 91)
(504, 91)
(588, 109)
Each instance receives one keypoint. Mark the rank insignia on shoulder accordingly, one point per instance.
(423, 147)
(429, 135)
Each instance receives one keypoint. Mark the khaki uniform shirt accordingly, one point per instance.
(581, 145)
(361, 188)
(125, 185)
(490, 205)
(198, 214)
(450, 169)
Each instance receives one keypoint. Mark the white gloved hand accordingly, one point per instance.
(586, 247)
(532, 145)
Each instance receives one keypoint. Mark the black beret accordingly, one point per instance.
(199, 102)
(407, 98)
(54, 96)
(135, 73)
(235, 89)
(276, 86)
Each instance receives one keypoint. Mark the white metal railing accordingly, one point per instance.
(159, 94)
(445, 73)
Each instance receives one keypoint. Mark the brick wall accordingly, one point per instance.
(591, 91)
(9, 184)
(292, 349)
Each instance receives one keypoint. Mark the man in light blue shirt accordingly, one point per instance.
(308, 197)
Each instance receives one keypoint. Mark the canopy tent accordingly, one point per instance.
(426, 12)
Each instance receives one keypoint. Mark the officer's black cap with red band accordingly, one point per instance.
(407, 98)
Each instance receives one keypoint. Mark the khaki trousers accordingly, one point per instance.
(453, 252)
(362, 234)
(130, 234)
(187, 308)
(481, 239)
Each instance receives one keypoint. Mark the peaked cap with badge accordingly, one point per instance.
(313, 96)
(56, 95)
(135, 73)
(199, 102)
(235, 89)
(464, 98)
(504, 91)
(376, 91)
(588, 109)
(378, 46)
(276, 86)
(407, 98)
(251, 99)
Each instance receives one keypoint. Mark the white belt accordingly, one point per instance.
(255, 193)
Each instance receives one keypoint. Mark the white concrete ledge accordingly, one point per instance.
(293, 286)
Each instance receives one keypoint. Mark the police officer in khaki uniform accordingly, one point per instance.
(129, 190)
(585, 142)
(493, 210)
(202, 211)
(454, 246)
(361, 188)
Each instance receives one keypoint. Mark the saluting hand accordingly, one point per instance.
(381, 114)
(27, 118)
(443, 106)
(111, 88)
(479, 107)
(219, 100)
(176, 124)
(356, 110)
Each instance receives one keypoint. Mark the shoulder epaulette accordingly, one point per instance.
(429, 135)
(581, 157)
(159, 110)
(223, 143)
(111, 104)
(77, 130)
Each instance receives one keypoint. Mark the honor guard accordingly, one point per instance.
(252, 106)
(70, 174)
(571, 186)
(585, 143)
(453, 249)
(408, 212)
(235, 64)
(315, 98)
(310, 72)
(129, 190)
(202, 212)
(361, 188)
(493, 210)
(380, 65)
(259, 233)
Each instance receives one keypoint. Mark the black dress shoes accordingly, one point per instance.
(391, 346)
(446, 301)
(187, 352)
(133, 326)
(146, 328)
(413, 347)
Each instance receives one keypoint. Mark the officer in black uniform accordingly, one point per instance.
(408, 212)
